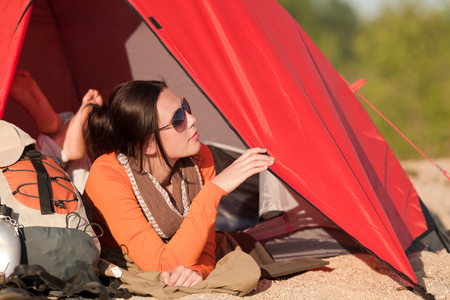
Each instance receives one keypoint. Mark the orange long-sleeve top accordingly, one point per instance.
(115, 208)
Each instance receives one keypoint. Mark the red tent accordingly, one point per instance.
(261, 72)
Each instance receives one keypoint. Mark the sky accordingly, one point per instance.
(370, 8)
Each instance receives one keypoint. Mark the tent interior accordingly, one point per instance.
(74, 45)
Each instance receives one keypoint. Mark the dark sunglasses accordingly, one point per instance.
(179, 117)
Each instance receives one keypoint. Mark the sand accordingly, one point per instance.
(362, 276)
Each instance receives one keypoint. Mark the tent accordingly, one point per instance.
(245, 65)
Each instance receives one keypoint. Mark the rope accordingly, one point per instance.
(354, 88)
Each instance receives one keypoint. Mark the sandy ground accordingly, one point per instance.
(363, 276)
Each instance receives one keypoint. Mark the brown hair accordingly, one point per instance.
(128, 122)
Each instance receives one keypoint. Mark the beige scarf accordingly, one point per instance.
(165, 213)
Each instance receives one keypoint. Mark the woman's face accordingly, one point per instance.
(176, 144)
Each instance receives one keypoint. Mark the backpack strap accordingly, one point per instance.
(43, 182)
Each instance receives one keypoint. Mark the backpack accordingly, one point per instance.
(51, 215)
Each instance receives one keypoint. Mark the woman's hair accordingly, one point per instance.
(128, 122)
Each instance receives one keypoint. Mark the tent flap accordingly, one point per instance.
(277, 90)
(13, 25)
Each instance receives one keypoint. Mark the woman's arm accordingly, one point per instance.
(251, 162)
(111, 192)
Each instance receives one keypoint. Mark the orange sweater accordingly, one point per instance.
(110, 194)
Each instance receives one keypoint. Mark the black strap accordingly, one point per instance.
(118, 292)
(6, 211)
(43, 181)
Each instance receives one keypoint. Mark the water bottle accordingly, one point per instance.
(9, 243)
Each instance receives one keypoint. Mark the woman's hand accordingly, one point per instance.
(251, 162)
(181, 276)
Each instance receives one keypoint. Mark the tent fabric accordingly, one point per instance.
(277, 90)
(149, 60)
(272, 86)
(12, 33)
(70, 47)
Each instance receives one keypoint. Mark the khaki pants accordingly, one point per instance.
(236, 273)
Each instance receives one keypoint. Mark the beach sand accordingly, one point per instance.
(362, 276)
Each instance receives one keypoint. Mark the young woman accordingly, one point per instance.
(153, 187)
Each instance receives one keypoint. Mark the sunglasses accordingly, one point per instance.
(179, 117)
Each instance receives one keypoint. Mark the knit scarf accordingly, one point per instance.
(164, 212)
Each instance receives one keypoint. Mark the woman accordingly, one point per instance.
(153, 187)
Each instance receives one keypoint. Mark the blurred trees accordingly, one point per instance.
(404, 55)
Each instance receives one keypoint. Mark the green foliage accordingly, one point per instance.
(404, 56)
(331, 24)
